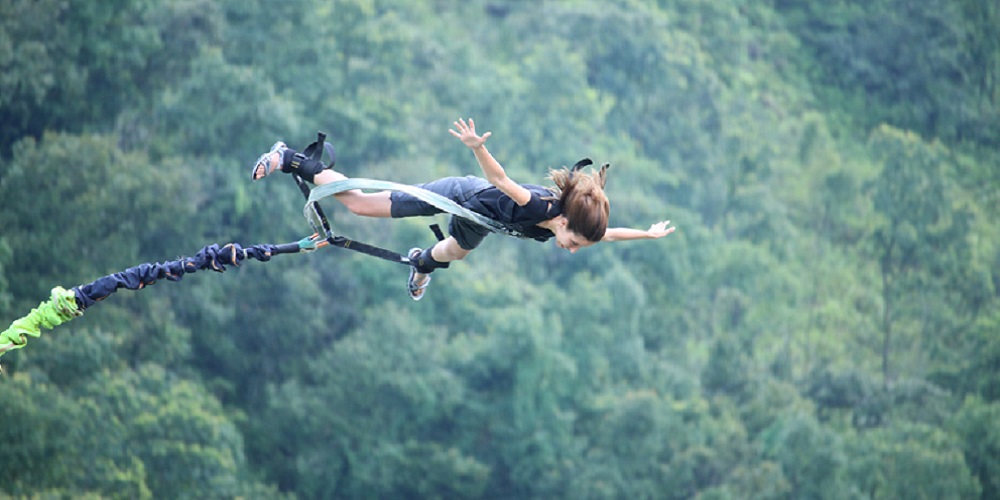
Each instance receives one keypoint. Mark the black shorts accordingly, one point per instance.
(458, 189)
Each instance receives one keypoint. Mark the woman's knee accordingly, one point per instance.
(461, 253)
(449, 250)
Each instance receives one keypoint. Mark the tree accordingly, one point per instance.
(169, 430)
(38, 420)
(122, 434)
(915, 67)
(85, 194)
(922, 241)
(344, 75)
(231, 127)
(976, 373)
(119, 195)
(5, 256)
(73, 65)
(638, 444)
(372, 416)
(812, 457)
(906, 460)
(977, 424)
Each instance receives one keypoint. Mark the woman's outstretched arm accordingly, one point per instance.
(492, 169)
(658, 230)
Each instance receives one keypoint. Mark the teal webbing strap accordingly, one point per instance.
(434, 199)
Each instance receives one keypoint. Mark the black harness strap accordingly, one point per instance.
(436, 229)
(314, 152)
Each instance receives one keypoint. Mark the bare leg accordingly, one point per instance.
(357, 201)
(448, 250)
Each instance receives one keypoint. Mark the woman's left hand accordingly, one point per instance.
(660, 229)
(467, 134)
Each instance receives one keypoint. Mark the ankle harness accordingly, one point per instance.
(425, 264)
(309, 162)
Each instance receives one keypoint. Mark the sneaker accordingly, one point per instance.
(415, 290)
(268, 162)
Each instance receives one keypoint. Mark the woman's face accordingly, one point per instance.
(568, 239)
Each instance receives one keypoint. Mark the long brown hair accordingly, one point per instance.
(583, 202)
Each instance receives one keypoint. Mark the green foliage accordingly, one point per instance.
(907, 460)
(49, 181)
(975, 373)
(36, 416)
(822, 323)
(976, 424)
(187, 110)
(930, 68)
(5, 256)
(172, 429)
(75, 65)
(125, 434)
(812, 457)
(922, 242)
(381, 401)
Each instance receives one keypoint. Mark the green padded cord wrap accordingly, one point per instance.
(60, 308)
(320, 192)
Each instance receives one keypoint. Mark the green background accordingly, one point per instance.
(823, 324)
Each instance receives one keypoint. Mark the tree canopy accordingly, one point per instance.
(822, 325)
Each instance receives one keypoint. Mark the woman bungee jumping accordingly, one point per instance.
(574, 211)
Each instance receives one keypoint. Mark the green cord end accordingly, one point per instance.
(60, 308)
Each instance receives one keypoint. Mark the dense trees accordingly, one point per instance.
(822, 325)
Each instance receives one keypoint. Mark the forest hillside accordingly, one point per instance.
(824, 323)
